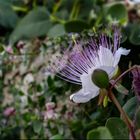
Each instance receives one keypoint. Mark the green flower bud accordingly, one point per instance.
(100, 78)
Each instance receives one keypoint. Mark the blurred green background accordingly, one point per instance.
(36, 106)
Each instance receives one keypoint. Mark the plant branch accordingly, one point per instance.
(130, 69)
(115, 101)
(124, 115)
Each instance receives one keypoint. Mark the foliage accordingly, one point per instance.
(31, 32)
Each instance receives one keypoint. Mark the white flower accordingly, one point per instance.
(105, 61)
(78, 64)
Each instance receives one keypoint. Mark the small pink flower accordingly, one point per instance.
(9, 111)
(9, 50)
(50, 105)
(20, 44)
(49, 114)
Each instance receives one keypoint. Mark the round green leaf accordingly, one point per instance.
(76, 26)
(8, 17)
(76, 125)
(1, 48)
(118, 12)
(130, 107)
(37, 126)
(137, 120)
(36, 23)
(100, 133)
(56, 31)
(124, 36)
(57, 137)
(117, 128)
(135, 35)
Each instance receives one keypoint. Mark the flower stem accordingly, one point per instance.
(124, 115)
(115, 101)
(130, 69)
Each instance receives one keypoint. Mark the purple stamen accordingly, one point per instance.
(79, 59)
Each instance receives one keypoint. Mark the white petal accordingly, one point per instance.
(88, 91)
(118, 53)
(106, 57)
(81, 96)
(87, 83)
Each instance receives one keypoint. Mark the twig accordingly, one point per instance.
(115, 101)
(124, 115)
(130, 69)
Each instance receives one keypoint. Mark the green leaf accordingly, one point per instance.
(37, 126)
(1, 48)
(76, 126)
(50, 82)
(121, 89)
(117, 11)
(100, 133)
(124, 35)
(12, 1)
(76, 26)
(6, 1)
(8, 18)
(35, 24)
(57, 137)
(57, 30)
(130, 107)
(137, 120)
(135, 35)
(117, 128)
